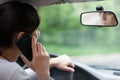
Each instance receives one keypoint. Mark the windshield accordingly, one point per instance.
(62, 33)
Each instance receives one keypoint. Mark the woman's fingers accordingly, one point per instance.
(68, 69)
(72, 65)
(34, 49)
(25, 60)
(40, 49)
(44, 50)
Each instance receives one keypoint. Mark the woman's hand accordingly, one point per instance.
(40, 61)
(62, 62)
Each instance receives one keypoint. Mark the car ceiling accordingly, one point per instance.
(38, 3)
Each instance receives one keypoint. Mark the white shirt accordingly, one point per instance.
(12, 71)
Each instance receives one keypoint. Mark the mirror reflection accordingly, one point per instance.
(99, 18)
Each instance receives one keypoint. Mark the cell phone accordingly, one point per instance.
(24, 44)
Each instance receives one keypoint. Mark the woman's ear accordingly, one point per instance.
(19, 35)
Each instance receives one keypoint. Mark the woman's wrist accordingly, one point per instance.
(52, 62)
(43, 75)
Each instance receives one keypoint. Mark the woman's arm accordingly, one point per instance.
(62, 62)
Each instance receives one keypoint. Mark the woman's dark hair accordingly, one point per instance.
(16, 17)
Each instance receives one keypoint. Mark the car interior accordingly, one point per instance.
(93, 18)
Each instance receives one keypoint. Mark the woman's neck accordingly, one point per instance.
(9, 54)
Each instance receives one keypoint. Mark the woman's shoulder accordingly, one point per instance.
(8, 65)
(10, 70)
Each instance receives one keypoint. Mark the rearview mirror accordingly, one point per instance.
(99, 18)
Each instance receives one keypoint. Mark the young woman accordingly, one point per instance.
(16, 19)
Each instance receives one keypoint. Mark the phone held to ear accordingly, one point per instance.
(24, 44)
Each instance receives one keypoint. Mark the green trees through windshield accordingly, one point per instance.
(61, 31)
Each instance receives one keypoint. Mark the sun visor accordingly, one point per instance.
(51, 2)
(38, 3)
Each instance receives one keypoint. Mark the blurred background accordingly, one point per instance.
(62, 32)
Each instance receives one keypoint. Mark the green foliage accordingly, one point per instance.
(55, 18)
(61, 31)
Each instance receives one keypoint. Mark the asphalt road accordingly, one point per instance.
(112, 60)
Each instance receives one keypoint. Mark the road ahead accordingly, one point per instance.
(112, 60)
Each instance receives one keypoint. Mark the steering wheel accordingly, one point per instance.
(58, 74)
